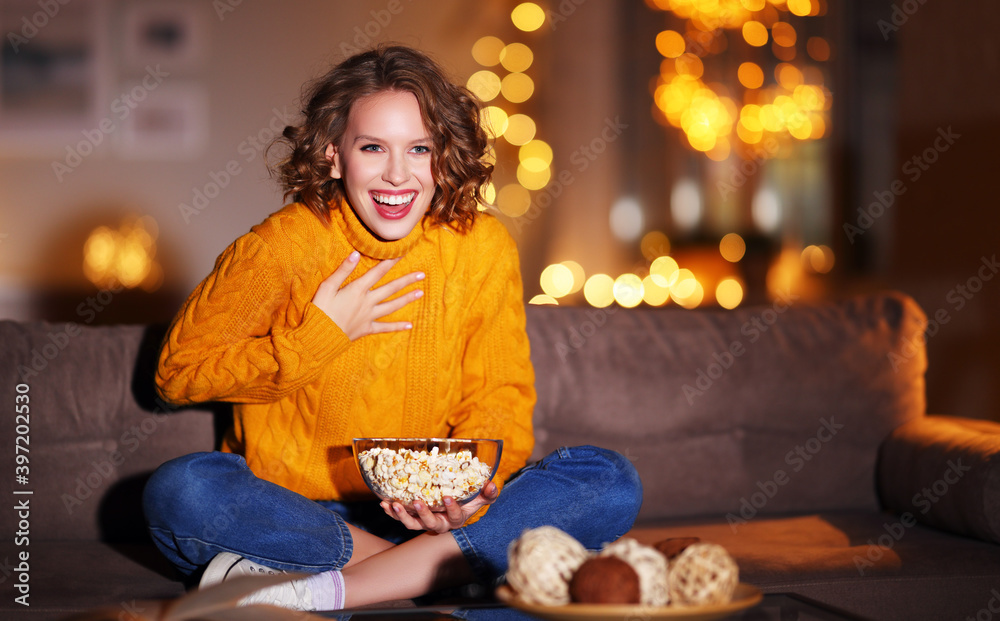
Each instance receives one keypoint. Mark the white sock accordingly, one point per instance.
(328, 591)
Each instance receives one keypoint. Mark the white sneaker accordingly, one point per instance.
(294, 594)
(227, 565)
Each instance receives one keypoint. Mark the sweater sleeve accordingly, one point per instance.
(224, 344)
(497, 376)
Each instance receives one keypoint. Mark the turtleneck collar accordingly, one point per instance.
(367, 244)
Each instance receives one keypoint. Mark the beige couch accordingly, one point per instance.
(794, 435)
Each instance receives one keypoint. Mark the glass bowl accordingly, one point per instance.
(427, 469)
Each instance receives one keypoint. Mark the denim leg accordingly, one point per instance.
(205, 503)
(591, 493)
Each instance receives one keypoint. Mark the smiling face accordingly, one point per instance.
(384, 160)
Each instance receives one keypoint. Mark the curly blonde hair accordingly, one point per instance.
(451, 114)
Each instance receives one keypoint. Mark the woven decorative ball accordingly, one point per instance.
(649, 564)
(704, 573)
(673, 546)
(541, 563)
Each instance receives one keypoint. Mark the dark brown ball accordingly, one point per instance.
(675, 545)
(605, 580)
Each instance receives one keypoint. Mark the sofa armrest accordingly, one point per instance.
(944, 471)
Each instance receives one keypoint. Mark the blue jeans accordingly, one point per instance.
(205, 503)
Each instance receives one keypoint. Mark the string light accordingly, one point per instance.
(125, 256)
(712, 121)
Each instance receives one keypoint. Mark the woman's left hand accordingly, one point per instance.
(454, 515)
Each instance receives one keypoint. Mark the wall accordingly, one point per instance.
(946, 225)
(257, 58)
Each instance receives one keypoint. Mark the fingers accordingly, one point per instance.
(375, 274)
(456, 517)
(387, 308)
(395, 286)
(344, 270)
(490, 492)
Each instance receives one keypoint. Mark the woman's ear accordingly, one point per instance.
(333, 157)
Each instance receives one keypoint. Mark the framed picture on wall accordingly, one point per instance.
(53, 75)
(170, 123)
(171, 34)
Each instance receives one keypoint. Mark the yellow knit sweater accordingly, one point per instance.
(249, 334)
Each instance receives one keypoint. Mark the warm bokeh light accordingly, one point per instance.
(732, 247)
(486, 51)
(664, 271)
(556, 280)
(542, 300)
(490, 193)
(536, 155)
(513, 200)
(800, 7)
(527, 16)
(722, 119)
(818, 49)
(516, 57)
(670, 43)
(533, 179)
(599, 290)
(689, 65)
(729, 293)
(692, 299)
(817, 259)
(579, 276)
(755, 33)
(494, 120)
(484, 84)
(783, 34)
(517, 87)
(627, 290)
(786, 54)
(125, 256)
(785, 273)
(653, 293)
(520, 129)
(788, 76)
(750, 75)
(654, 244)
(683, 284)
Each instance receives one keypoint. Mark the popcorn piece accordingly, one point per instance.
(541, 563)
(407, 475)
(651, 566)
(704, 573)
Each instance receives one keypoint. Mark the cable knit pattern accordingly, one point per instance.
(249, 334)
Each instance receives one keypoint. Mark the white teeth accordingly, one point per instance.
(393, 199)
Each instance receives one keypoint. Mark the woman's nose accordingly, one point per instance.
(396, 170)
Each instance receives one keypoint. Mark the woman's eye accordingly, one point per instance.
(421, 150)
(371, 148)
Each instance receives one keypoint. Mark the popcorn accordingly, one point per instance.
(406, 475)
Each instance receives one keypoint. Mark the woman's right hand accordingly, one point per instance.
(357, 307)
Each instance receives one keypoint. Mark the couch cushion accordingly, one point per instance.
(69, 577)
(769, 409)
(944, 471)
(93, 428)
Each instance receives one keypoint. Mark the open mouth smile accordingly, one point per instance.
(393, 205)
